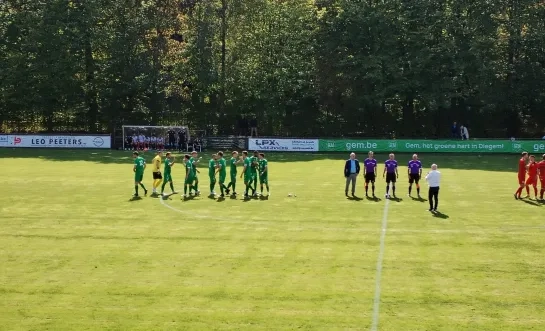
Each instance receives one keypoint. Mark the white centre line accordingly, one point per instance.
(376, 300)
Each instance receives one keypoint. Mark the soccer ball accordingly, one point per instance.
(289, 195)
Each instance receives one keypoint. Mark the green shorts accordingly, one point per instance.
(138, 176)
(264, 179)
(248, 178)
(189, 180)
(167, 177)
(222, 178)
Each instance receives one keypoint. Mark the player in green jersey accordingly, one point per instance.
(212, 166)
(247, 173)
(193, 161)
(167, 173)
(222, 170)
(263, 172)
(138, 169)
(233, 171)
(255, 165)
(189, 176)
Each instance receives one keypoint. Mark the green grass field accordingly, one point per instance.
(77, 254)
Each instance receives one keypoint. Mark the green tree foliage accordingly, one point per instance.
(302, 67)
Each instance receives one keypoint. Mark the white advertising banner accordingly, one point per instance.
(55, 141)
(283, 145)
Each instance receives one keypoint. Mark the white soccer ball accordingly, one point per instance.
(289, 195)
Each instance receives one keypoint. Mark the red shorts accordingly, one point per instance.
(522, 178)
(531, 181)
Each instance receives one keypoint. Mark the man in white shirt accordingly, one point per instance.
(433, 178)
(464, 132)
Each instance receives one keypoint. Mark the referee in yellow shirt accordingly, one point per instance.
(157, 177)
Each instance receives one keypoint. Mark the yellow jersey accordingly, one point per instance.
(157, 164)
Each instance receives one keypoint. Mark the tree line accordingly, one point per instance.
(374, 68)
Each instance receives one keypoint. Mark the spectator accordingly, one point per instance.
(543, 138)
(464, 132)
(253, 127)
(244, 127)
(454, 130)
(351, 172)
(433, 178)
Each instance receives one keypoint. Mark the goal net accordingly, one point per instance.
(180, 138)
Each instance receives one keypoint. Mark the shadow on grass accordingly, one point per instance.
(419, 199)
(396, 199)
(354, 198)
(439, 214)
(504, 162)
(532, 202)
(374, 199)
(135, 199)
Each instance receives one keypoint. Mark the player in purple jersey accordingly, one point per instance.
(390, 171)
(415, 173)
(370, 173)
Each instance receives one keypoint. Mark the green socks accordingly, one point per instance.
(172, 186)
(136, 189)
(163, 187)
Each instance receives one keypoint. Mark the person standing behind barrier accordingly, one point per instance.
(351, 172)
(433, 178)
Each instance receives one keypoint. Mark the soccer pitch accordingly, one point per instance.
(78, 254)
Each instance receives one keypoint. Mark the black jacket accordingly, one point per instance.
(347, 167)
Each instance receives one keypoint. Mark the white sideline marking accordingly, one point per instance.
(376, 300)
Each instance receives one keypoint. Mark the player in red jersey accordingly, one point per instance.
(532, 176)
(521, 174)
(541, 173)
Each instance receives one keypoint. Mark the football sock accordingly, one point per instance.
(261, 188)
(185, 189)
(172, 186)
(221, 188)
(267, 186)
(234, 184)
(196, 186)
(366, 189)
(542, 192)
(136, 189)
(410, 189)
(527, 190)
(246, 191)
(212, 184)
(142, 186)
(373, 187)
(519, 191)
(387, 189)
(418, 189)
(255, 185)
(163, 187)
(394, 189)
(535, 191)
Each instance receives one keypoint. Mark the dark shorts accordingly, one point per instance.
(391, 177)
(157, 175)
(370, 177)
(414, 178)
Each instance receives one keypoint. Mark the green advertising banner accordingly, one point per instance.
(435, 146)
